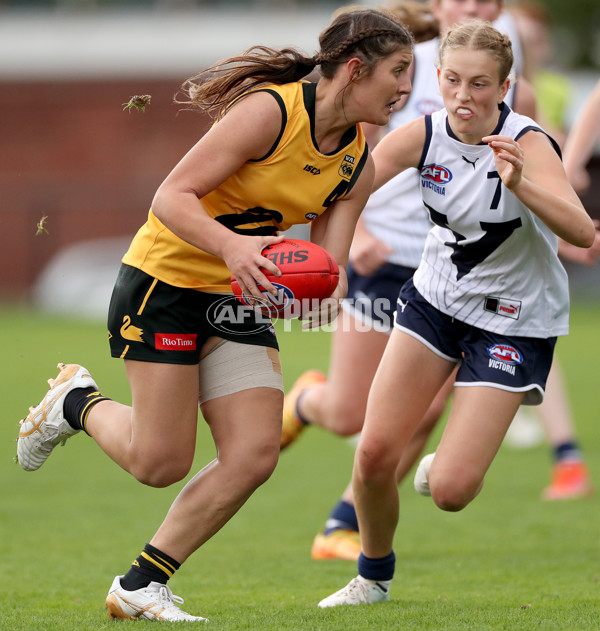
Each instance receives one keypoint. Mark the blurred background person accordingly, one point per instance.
(553, 90)
(582, 140)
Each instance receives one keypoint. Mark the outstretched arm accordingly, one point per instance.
(367, 253)
(581, 141)
(334, 230)
(398, 151)
(583, 256)
(533, 171)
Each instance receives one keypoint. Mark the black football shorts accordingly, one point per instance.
(149, 320)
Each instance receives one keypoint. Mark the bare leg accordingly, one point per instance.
(246, 427)
(400, 395)
(420, 436)
(555, 411)
(458, 469)
(457, 472)
(406, 382)
(364, 349)
(339, 404)
(155, 438)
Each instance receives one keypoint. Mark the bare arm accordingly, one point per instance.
(334, 231)
(532, 170)
(247, 131)
(583, 256)
(367, 253)
(525, 102)
(398, 151)
(581, 141)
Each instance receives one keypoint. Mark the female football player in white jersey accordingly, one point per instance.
(490, 294)
(227, 199)
(386, 251)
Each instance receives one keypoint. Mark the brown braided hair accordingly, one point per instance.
(367, 33)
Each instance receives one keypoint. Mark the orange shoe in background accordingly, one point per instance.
(292, 425)
(570, 480)
(337, 544)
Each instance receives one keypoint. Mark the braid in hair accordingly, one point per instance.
(367, 33)
(358, 37)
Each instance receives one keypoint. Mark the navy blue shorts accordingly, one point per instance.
(513, 363)
(152, 321)
(372, 299)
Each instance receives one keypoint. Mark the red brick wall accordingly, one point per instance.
(70, 152)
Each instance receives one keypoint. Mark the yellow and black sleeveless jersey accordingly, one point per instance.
(293, 184)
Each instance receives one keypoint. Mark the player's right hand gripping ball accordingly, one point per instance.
(309, 274)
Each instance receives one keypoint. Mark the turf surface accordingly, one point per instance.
(508, 561)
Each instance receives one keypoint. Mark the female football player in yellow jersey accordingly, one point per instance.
(282, 151)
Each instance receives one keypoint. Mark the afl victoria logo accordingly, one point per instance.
(505, 353)
(436, 173)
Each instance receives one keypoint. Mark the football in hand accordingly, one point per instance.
(309, 274)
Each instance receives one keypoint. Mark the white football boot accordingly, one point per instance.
(155, 602)
(422, 475)
(359, 591)
(46, 426)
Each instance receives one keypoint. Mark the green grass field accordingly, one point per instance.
(508, 561)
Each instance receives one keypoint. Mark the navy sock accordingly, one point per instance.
(567, 451)
(343, 516)
(381, 569)
(151, 565)
(78, 404)
(302, 419)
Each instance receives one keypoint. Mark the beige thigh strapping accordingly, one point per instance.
(228, 367)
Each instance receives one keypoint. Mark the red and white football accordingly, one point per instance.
(309, 274)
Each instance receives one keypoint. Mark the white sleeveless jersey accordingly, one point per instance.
(395, 213)
(488, 260)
